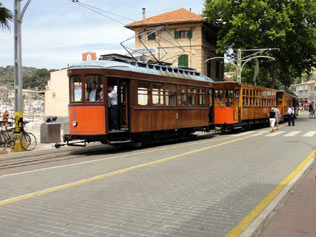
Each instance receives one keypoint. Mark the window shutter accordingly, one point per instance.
(176, 34)
(183, 61)
(151, 36)
(190, 33)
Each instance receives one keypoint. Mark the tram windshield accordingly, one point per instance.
(86, 89)
(94, 88)
(76, 89)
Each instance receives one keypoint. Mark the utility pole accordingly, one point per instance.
(18, 102)
(238, 69)
(18, 16)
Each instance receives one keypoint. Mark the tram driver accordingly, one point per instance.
(93, 93)
(113, 108)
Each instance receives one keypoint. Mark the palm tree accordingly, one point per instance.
(5, 17)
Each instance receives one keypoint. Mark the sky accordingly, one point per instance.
(56, 32)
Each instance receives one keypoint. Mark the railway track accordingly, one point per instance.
(70, 154)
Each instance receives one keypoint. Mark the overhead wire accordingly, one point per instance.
(100, 11)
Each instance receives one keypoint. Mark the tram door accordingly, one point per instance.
(121, 86)
(211, 105)
(279, 100)
(122, 97)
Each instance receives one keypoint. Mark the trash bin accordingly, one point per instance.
(50, 132)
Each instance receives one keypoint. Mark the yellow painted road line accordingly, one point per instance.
(238, 229)
(65, 186)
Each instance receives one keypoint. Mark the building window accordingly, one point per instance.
(183, 60)
(183, 34)
(151, 36)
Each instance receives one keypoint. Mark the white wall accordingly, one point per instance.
(57, 94)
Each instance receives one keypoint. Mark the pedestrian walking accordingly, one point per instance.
(272, 119)
(311, 111)
(277, 117)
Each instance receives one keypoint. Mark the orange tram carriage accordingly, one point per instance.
(159, 102)
(243, 105)
(155, 102)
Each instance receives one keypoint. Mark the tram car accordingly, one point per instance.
(154, 102)
(243, 105)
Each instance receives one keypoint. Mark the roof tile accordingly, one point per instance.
(176, 16)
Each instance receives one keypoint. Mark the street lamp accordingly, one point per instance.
(18, 16)
(240, 62)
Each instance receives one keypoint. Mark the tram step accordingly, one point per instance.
(120, 142)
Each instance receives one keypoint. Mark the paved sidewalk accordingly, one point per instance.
(297, 215)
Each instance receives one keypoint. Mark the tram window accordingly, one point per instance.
(94, 88)
(237, 93)
(182, 96)
(191, 96)
(170, 93)
(218, 94)
(143, 93)
(201, 100)
(229, 97)
(210, 101)
(157, 94)
(76, 89)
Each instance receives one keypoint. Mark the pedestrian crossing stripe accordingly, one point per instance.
(275, 133)
(309, 134)
(292, 134)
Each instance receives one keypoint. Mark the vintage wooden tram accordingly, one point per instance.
(155, 102)
(243, 105)
(158, 102)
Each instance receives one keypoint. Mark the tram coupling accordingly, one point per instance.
(82, 143)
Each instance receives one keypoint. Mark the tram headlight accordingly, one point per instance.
(74, 123)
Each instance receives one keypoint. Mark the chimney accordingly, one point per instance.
(144, 13)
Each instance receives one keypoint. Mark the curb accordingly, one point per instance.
(255, 227)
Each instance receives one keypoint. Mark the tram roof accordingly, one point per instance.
(144, 68)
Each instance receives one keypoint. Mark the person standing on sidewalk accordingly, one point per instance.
(291, 115)
(5, 119)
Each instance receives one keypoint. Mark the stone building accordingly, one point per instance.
(181, 38)
(306, 91)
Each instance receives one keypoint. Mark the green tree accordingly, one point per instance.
(248, 24)
(37, 81)
(5, 17)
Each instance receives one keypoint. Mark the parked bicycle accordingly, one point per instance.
(9, 137)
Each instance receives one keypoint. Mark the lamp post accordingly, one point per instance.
(240, 62)
(18, 101)
(18, 16)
